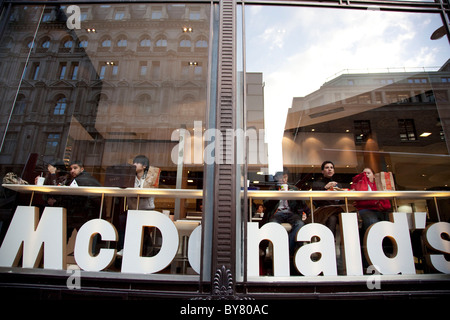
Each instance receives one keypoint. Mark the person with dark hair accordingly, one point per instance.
(57, 176)
(142, 165)
(327, 211)
(81, 177)
(57, 173)
(146, 177)
(81, 209)
(293, 212)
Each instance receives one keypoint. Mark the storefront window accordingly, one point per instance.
(361, 89)
(103, 85)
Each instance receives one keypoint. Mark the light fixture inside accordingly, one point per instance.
(425, 134)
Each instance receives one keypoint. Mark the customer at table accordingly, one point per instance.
(81, 209)
(293, 212)
(146, 177)
(370, 211)
(57, 175)
(81, 177)
(327, 211)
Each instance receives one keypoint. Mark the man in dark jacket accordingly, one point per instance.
(293, 212)
(81, 177)
(327, 211)
(81, 209)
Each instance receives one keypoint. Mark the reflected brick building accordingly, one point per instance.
(94, 93)
(390, 119)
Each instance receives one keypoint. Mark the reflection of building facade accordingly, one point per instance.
(93, 95)
(130, 80)
(387, 121)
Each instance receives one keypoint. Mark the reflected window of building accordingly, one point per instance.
(9, 147)
(83, 15)
(62, 70)
(34, 75)
(67, 43)
(194, 14)
(201, 43)
(106, 43)
(407, 130)
(61, 105)
(83, 43)
(46, 17)
(145, 43)
(161, 43)
(362, 130)
(44, 44)
(186, 42)
(119, 14)
(20, 106)
(156, 13)
(156, 68)
(108, 69)
(143, 69)
(122, 42)
(418, 80)
(51, 147)
(198, 71)
(74, 71)
(29, 42)
(144, 103)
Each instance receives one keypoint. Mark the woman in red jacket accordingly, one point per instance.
(371, 211)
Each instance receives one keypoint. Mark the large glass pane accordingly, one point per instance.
(103, 84)
(362, 89)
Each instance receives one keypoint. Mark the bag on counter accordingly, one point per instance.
(152, 177)
(384, 181)
(12, 178)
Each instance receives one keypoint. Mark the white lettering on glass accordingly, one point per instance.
(29, 239)
(33, 238)
(84, 257)
(133, 262)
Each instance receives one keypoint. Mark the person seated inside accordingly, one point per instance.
(327, 211)
(81, 209)
(293, 212)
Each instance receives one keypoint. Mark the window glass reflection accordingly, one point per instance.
(342, 90)
(343, 96)
(126, 83)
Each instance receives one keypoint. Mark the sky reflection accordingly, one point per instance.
(299, 49)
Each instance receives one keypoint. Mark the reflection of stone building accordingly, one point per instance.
(103, 96)
(395, 121)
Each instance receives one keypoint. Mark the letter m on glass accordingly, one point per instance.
(35, 239)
